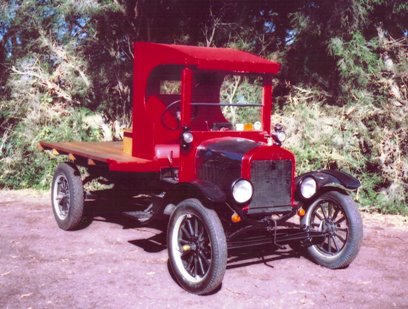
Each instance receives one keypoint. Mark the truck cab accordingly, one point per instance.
(186, 129)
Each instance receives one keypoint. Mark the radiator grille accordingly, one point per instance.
(272, 182)
(222, 174)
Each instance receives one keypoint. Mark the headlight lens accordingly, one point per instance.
(281, 136)
(188, 137)
(242, 191)
(308, 187)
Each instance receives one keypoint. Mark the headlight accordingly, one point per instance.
(242, 191)
(188, 137)
(308, 187)
(281, 136)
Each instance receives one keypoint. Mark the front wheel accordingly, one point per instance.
(337, 217)
(197, 247)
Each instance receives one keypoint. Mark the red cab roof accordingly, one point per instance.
(206, 58)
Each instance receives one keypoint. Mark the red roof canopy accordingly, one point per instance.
(206, 58)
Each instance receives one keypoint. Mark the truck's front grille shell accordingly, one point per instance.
(272, 182)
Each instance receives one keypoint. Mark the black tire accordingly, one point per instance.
(338, 215)
(67, 197)
(197, 247)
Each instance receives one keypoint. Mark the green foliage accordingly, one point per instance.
(22, 165)
(357, 59)
(241, 90)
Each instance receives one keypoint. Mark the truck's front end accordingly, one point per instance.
(227, 143)
(257, 178)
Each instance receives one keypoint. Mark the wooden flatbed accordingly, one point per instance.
(105, 153)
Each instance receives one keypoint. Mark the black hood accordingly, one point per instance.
(226, 148)
(219, 160)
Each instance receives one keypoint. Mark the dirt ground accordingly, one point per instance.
(113, 264)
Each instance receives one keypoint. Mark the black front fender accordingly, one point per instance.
(328, 179)
(203, 189)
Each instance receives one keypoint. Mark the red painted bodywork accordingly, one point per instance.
(153, 142)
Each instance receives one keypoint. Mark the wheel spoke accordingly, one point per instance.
(206, 251)
(335, 243)
(319, 216)
(183, 241)
(200, 263)
(323, 212)
(185, 232)
(340, 220)
(336, 212)
(329, 247)
(343, 229)
(190, 227)
(196, 224)
(329, 210)
(200, 235)
(340, 237)
(195, 269)
(205, 259)
(189, 265)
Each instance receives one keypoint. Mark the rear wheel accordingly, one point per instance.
(336, 215)
(67, 197)
(197, 247)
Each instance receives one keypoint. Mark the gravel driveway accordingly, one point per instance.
(113, 264)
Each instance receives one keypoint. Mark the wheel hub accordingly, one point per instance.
(329, 227)
(194, 246)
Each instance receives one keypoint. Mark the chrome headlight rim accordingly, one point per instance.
(308, 187)
(237, 187)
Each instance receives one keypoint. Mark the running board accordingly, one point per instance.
(137, 215)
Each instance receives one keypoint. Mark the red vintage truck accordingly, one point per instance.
(225, 185)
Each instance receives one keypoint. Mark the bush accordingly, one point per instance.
(353, 138)
(22, 165)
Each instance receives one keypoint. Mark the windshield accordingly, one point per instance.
(226, 102)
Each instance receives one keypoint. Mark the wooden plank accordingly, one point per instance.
(97, 151)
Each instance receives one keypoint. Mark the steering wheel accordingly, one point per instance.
(177, 118)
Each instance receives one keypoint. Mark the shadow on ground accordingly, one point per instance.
(111, 206)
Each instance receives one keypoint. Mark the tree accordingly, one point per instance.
(66, 73)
